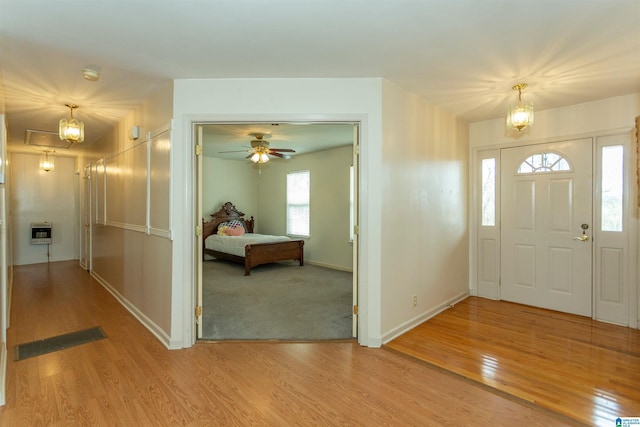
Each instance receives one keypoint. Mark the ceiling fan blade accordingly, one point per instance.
(277, 155)
(283, 150)
(249, 156)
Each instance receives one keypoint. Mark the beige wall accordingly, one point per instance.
(328, 244)
(232, 181)
(6, 262)
(424, 223)
(38, 196)
(132, 262)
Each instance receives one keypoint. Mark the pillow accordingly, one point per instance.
(222, 228)
(235, 228)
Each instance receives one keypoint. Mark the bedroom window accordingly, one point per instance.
(298, 203)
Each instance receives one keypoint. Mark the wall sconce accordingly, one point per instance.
(71, 130)
(520, 116)
(46, 164)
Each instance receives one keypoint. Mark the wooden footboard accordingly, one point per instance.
(265, 253)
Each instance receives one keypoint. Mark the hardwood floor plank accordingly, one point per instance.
(129, 378)
(571, 365)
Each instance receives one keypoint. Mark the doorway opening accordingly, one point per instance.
(279, 300)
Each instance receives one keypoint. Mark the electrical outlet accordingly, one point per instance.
(415, 300)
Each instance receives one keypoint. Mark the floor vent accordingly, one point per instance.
(60, 342)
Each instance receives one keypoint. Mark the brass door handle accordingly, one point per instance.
(583, 238)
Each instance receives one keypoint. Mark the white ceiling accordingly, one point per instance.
(233, 142)
(463, 55)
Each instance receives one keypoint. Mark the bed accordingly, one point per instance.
(248, 248)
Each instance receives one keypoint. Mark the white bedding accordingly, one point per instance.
(235, 244)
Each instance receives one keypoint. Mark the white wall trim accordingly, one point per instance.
(555, 138)
(125, 226)
(187, 225)
(423, 317)
(3, 374)
(330, 266)
(146, 322)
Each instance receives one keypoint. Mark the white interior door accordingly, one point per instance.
(198, 242)
(85, 219)
(546, 211)
(354, 216)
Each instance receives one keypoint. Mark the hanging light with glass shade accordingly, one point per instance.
(520, 116)
(71, 130)
(46, 164)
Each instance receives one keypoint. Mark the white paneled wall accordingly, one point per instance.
(38, 196)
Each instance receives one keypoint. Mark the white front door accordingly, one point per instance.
(546, 229)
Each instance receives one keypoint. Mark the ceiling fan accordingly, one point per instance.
(260, 151)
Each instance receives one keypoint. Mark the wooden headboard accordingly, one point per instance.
(226, 213)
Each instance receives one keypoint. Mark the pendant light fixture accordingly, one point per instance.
(520, 116)
(71, 130)
(46, 164)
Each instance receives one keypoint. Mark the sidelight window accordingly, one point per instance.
(489, 192)
(612, 188)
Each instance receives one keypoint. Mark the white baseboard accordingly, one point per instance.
(331, 266)
(423, 317)
(146, 322)
(3, 374)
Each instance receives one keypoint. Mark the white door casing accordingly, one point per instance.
(488, 231)
(198, 237)
(85, 219)
(354, 200)
(544, 260)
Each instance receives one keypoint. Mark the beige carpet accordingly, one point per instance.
(280, 301)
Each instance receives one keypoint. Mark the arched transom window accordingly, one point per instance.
(544, 162)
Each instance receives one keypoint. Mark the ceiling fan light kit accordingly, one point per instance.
(260, 151)
(520, 115)
(259, 157)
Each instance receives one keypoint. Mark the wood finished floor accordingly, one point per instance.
(571, 365)
(130, 379)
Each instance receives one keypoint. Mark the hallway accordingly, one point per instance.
(129, 378)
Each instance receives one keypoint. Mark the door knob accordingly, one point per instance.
(583, 238)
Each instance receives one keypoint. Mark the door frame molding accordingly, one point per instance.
(193, 261)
